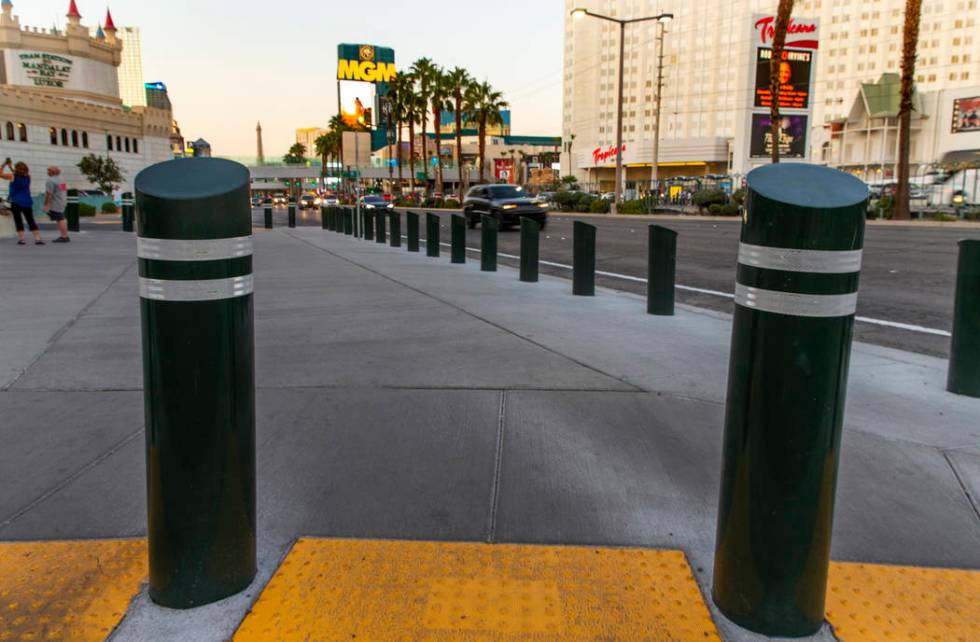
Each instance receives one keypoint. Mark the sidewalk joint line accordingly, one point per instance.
(497, 466)
(972, 501)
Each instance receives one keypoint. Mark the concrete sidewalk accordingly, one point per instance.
(401, 397)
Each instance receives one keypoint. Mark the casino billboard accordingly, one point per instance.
(363, 74)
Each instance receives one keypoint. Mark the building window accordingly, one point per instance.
(64, 137)
(74, 138)
(118, 144)
(108, 142)
(85, 140)
(22, 131)
(53, 134)
(136, 146)
(127, 143)
(10, 130)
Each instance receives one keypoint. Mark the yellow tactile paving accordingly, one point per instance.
(76, 590)
(432, 592)
(876, 603)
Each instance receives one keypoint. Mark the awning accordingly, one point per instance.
(970, 157)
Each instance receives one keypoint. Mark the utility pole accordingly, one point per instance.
(656, 119)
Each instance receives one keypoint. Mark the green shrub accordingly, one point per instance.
(729, 209)
(451, 204)
(972, 215)
(584, 202)
(884, 208)
(944, 217)
(715, 208)
(599, 206)
(84, 209)
(637, 206)
(739, 195)
(109, 208)
(566, 201)
(433, 203)
(705, 198)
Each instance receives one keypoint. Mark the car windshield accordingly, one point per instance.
(373, 199)
(505, 191)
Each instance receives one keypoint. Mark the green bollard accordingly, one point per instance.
(796, 293)
(431, 235)
(127, 211)
(71, 210)
(380, 235)
(267, 214)
(195, 269)
(396, 229)
(530, 233)
(324, 217)
(583, 259)
(413, 231)
(292, 212)
(964, 353)
(348, 222)
(368, 226)
(458, 230)
(488, 244)
(661, 270)
(355, 215)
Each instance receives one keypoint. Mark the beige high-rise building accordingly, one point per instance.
(306, 136)
(707, 86)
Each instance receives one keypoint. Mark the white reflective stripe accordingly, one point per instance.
(794, 304)
(187, 250)
(208, 290)
(792, 260)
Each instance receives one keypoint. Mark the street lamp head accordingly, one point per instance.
(664, 18)
(579, 13)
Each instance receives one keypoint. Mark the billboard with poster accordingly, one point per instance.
(357, 104)
(363, 74)
(966, 115)
(794, 78)
(792, 138)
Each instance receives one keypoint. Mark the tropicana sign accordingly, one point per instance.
(600, 155)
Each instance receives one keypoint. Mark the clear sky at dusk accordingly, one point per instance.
(229, 63)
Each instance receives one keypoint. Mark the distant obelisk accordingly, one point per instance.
(260, 157)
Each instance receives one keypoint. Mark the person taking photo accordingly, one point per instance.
(21, 202)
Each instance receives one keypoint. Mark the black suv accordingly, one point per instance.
(506, 203)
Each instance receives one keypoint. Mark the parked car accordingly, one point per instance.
(506, 203)
(308, 201)
(608, 196)
(376, 202)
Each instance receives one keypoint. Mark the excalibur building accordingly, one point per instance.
(60, 101)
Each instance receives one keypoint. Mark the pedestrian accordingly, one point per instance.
(55, 200)
(21, 203)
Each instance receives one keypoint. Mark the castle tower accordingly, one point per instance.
(74, 18)
(258, 143)
(7, 17)
(110, 28)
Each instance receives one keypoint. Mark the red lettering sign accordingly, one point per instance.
(767, 31)
(600, 155)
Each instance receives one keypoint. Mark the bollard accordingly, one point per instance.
(964, 353)
(324, 217)
(355, 214)
(195, 268)
(413, 231)
(71, 210)
(795, 297)
(431, 235)
(583, 259)
(267, 214)
(368, 226)
(396, 229)
(292, 211)
(127, 211)
(488, 244)
(661, 270)
(380, 236)
(348, 221)
(530, 232)
(458, 236)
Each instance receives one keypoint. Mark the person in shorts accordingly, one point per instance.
(21, 202)
(55, 201)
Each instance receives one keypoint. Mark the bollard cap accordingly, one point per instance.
(194, 198)
(809, 186)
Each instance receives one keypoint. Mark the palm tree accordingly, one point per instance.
(783, 14)
(440, 100)
(337, 124)
(326, 147)
(485, 103)
(910, 41)
(412, 111)
(459, 80)
(425, 72)
(399, 93)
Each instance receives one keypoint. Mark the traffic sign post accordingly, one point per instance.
(795, 298)
(195, 281)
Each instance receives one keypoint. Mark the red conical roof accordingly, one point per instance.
(73, 10)
(109, 24)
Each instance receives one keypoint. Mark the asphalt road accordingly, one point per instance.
(908, 275)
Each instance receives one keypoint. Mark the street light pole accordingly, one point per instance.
(662, 18)
(661, 25)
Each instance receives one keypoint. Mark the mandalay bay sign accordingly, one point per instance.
(46, 69)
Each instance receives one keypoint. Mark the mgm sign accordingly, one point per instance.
(365, 63)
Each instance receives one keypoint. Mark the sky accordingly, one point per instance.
(228, 64)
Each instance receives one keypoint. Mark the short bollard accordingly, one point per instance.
(488, 244)
(348, 222)
(324, 217)
(71, 210)
(661, 270)
(396, 229)
(431, 234)
(583, 259)
(355, 214)
(195, 280)
(795, 297)
(458, 237)
(380, 234)
(368, 226)
(292, 212)
(127, 211)
(413, 231)
(267, 215)
(964, 353)
(530, 233)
